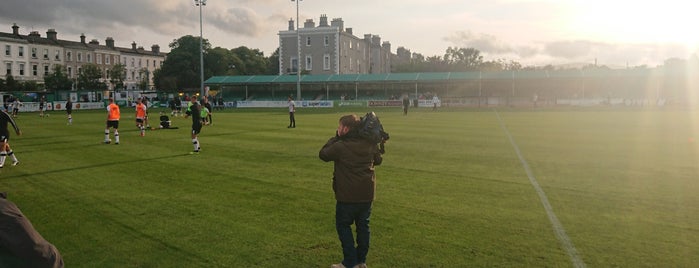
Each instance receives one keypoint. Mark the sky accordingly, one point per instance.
(614, 33)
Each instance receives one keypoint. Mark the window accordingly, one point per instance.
(80, 70)
(46, 54)
(294, 65)
(133, 62)
(35, 70)
(21, 69)
(46, 70)
(70, 72)
(58, 55)
(350, 63)
(89, 57)
(21, 52)
(9, 68)
(80, 57)
(34, 53)
(139, 63)
(8, 50)
(308, 41)
(309, 63)
(326, 40)
(99, 58)
(106, 59)
(326, 62)
(69, 56)
(350, 44)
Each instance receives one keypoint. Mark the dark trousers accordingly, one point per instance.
(20, 244)
(292, 120)
(345, 215)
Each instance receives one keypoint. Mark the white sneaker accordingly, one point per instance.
(338, 265)
(14, 163)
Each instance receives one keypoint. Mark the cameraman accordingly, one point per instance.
(354, 183)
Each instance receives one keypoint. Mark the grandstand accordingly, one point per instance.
(511, 88)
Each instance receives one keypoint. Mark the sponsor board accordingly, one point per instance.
(351, 103)
(385, 103)
(61, 105)
(280, 104)
(318, 104)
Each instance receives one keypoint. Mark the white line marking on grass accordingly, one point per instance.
(557, 226)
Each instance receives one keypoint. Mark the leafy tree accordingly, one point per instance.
(182, 64)
(221, 61)
(30, 86)
(90, 78)
(11, 84)
(58, 79)
(273, 63)
(117, 75)
(253, 60)
(463, 59)
(145, 78)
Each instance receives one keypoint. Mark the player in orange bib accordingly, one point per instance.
(141, 116)
(113, 116)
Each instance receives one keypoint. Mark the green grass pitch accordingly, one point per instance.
(452, 191)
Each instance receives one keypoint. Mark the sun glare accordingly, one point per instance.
(670, 21)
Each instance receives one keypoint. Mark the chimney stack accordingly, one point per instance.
(15, 29)
(349, 30)
(94, 42)
(133, 45)
(109, 42)
(337, 22)
(82, 38)
(291, 24)
(309, 24)
(52, 34)
(155, 49)
(323, 21)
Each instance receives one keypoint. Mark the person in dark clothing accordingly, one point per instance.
(20, 244)
(195, 112)
(406, 104)
(205, 102)
(354, 183)
(5, 149)
(69, 111)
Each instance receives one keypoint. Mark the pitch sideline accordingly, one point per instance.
(557, 226)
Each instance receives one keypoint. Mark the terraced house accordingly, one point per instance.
(32, 57)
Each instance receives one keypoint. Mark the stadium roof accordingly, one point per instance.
(444, 77)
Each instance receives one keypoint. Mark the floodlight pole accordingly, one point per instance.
(201, 3)
(298, 55)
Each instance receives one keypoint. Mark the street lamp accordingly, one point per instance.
(298, 55)
(201, 3)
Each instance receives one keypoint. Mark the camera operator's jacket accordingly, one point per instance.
(354, 180)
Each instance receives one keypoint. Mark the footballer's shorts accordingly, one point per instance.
(113, 123)
(4, 136)
(196, 129)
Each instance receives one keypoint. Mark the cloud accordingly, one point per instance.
(238, 20)
(483, 42)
